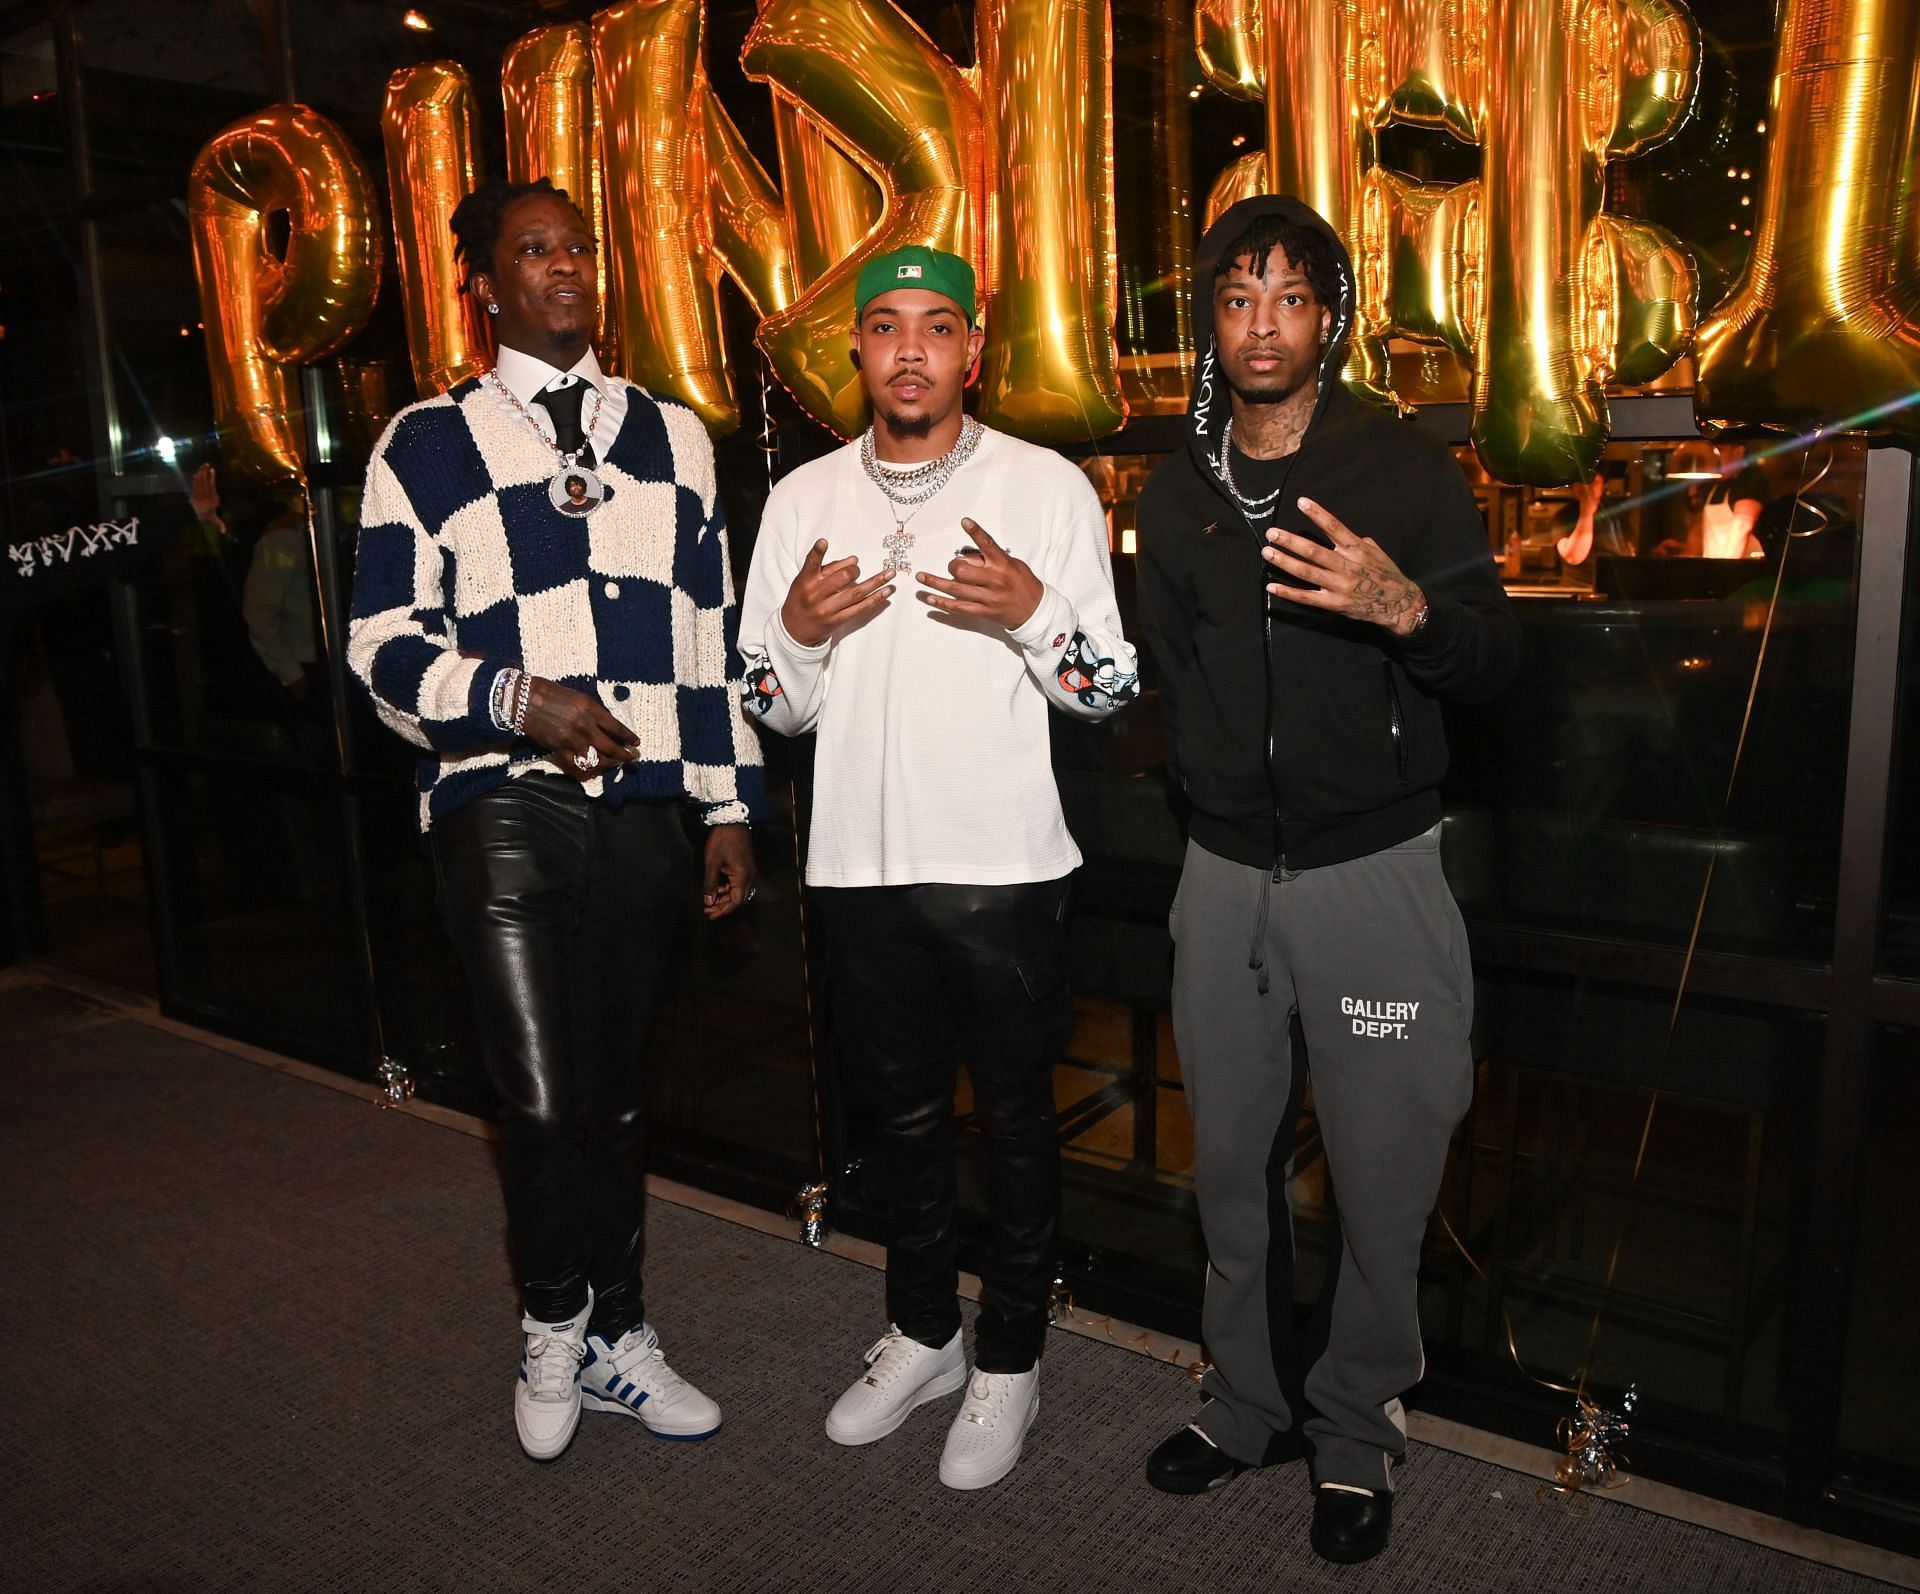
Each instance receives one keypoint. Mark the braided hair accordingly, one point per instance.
(1308, 250)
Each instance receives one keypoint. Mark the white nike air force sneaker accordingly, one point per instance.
(546, 1400)
(901, 1374)
(632, 1377)
(984, 1442)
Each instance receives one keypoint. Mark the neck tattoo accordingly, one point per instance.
(908, 490)
(1294, 420)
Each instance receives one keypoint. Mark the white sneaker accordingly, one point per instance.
(632, 1377)
(901, 1374)
(984, 1441)
(546, 1401)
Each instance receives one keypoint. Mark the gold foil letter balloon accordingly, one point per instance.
(1520, 270)
(427, 125)
(267, 312)
(750, 234)
(646, 57)
(909, 116)
(1045, 67)
(831, 203)
(1823, 328)
(1539, 414)
(1320, 144)
(1229, 36)
(1574, 297)
(546, 84)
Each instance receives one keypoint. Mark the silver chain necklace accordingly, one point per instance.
(1252, 508)
(593, 490)
(909, 489)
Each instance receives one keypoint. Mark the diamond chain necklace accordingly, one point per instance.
(909, 489)
(1252, 508)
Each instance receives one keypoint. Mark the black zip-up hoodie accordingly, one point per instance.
(1307, 739)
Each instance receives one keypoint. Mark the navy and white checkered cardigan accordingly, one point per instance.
(466, 567)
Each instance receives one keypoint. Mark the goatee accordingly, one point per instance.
(1270, 393)
(904, 426)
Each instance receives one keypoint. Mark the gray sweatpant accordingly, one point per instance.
(1372, 957)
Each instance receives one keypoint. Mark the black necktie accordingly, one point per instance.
(563, 404)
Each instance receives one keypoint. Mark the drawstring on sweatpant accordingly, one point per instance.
(1257, 952)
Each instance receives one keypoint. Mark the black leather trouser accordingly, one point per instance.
(565, 912)
(925, 977)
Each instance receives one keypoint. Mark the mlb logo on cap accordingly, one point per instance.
(927, 270)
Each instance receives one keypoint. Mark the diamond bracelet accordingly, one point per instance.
(507, 701)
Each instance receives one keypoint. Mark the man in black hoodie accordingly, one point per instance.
(1314, 578)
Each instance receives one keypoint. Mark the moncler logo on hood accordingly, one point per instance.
(1201, 407)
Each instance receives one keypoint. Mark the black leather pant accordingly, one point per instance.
(565, 912)
(925, 977)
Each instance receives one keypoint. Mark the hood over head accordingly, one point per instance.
(1209, 408)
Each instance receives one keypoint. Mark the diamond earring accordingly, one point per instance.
(493, 309)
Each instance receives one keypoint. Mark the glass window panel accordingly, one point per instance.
(1900, 935)
(255, 875)
(1542, 1187)
(230, 631)
(1879, 1394)
(1595, 795)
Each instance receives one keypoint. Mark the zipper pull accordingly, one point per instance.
(1279, 868)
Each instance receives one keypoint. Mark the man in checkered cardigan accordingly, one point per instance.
(572, 680)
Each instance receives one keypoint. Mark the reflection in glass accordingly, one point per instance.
(231, 632)
(256, 881)
(1594, 794)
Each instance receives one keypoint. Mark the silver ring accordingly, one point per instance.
(590, 759)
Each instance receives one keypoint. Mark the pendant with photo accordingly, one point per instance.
(575, 490)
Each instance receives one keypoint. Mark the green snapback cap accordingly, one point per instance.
(917, 266)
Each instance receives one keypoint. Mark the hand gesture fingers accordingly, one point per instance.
(825, 596)
(860, 597)
(1354, 578)
(1330, 523)
(988, 585)
(989, 549)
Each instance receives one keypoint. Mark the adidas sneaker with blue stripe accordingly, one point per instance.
(631, 1377)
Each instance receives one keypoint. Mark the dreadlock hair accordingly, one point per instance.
(1309, 249)
(477, 218)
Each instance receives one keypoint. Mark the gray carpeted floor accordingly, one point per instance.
(264, 1339)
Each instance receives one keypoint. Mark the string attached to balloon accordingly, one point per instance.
(1060, 1305)
(1591, 1434)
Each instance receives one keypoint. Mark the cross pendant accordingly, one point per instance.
(898, 543)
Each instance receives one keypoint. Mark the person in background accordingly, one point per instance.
(276, 599)
(1721, 515)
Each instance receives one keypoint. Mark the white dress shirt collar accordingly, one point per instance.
(527, 374)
